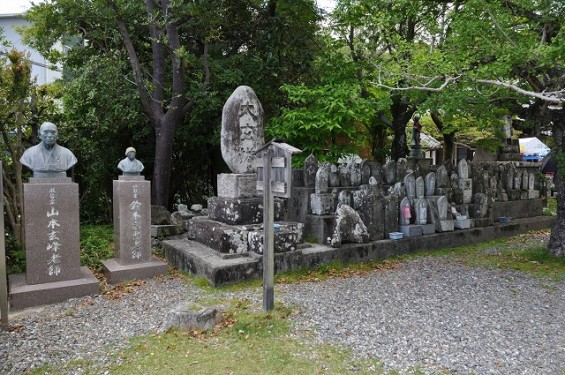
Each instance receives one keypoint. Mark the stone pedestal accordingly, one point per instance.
(462, 222)
(53, 271)
(428, 229)
(446, 225)
(322, 203)
(132, 233)
(237, 185)
(411, 230)
(236, 211)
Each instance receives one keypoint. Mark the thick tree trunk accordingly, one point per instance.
(556, 244)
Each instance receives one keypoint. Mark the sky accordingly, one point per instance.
(18, 6)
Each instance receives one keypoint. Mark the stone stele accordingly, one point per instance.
(242, 130)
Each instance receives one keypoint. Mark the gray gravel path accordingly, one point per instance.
(431, 314)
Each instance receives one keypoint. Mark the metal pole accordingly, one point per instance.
(268, 246)
(3, 276)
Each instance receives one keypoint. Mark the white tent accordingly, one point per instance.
(533, 146)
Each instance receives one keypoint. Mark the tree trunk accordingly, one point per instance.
(164, 134)
(448, 146)
(556, 244)
(402, 112)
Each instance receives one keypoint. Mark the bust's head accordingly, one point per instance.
(130, 153)
(48, 134)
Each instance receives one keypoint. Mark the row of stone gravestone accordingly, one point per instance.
(392, 197)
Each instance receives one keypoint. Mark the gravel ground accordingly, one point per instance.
(432, 314)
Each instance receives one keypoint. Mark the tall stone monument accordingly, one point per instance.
(51, 217)
(132, 226)
(234, 225)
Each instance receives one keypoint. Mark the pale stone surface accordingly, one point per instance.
(322, 204)
(421, 208)
(420, 187)
(242, 130)
(430, 184)
(349, 227)
(463, 169)
(410, 185)
(191, 316)
(236, 185)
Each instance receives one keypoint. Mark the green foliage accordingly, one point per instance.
(96, 244)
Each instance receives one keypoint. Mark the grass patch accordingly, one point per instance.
(526, 252)
(247, 342)
(96, 244)
(551, 208)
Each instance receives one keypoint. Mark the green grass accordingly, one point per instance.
(551, 207)
(96, 244)
(250, 341)
(247, 342)
(526, 252)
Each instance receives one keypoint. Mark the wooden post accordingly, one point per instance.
(3, 276)
(268, 235)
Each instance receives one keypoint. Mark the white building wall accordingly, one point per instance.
(41, 68)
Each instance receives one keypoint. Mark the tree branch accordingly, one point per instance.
(135, 65)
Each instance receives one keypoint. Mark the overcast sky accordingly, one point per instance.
(18, 6)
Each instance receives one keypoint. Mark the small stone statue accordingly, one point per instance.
(416, 130)
(130, 165)
(48, 159)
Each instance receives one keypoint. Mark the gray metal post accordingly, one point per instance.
(268, 237)
(3, 276)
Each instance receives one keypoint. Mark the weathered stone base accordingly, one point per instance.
(322, 204)
(241, 211)
(411, 230)
(23, 295)
(201, 260)
(518, 209)
(428, 229)
(116, 273)
(446, 225)
(241, 239)
(462, 223)
(164, 230)
(190, 316)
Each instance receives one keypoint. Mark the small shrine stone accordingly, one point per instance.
(463, 169)
(442, 179)
(430, 184)
(334, 176)
(310, 169)
(390, 172)
(420, 187)
(322, 178)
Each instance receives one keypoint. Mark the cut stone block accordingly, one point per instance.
(235, 185)
(241, 211)
(191, 316)
(322, 204)
(411, 230)
(428, 229)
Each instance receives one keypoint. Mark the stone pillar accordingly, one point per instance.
(132, 233)
(53, 271)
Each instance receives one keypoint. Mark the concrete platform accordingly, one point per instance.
(116, 273)
(23, 295)
(200, 260)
